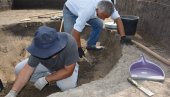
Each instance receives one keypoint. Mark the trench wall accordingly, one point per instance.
(5, 4)
(54, 4)
(154, 22)
(31, 4)
(154, 15)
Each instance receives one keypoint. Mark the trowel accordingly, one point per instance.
(145, 90)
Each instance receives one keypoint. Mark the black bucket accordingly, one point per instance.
(130, 24)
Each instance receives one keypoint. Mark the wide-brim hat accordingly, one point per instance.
(47, 42)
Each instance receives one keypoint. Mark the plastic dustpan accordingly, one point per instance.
(146, 70)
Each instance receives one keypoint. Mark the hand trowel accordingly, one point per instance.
(146, 91)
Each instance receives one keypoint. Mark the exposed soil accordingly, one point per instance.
(16, 36)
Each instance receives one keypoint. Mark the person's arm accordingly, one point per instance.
(60, 74)
(22, 78)
(124, 39)
(76, 35)
(78, 27)
(120, 26)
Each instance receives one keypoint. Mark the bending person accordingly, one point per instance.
(77, 13)
(53, 58)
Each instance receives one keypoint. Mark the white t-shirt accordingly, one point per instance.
(85, 10)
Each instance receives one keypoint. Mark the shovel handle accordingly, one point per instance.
(162, 59)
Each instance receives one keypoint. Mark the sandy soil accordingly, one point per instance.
(12, 51)
(115, 83)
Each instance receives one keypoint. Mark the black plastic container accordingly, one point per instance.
(130, 24)
(1, 86)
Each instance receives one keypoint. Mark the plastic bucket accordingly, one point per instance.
(130, 24)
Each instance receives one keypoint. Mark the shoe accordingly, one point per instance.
(95, 48)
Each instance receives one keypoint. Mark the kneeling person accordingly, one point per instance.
(53, 58)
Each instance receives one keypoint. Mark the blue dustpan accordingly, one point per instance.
(146, 70)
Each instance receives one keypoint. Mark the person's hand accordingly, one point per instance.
(81, 52)
(126, 40)
(40, 83)
(12, 93)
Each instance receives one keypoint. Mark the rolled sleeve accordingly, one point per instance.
(33, 61)
(115, 14)
(81, 20)
(79, 25)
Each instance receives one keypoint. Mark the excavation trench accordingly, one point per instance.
(16, 37)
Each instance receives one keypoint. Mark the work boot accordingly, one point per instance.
(95, 48)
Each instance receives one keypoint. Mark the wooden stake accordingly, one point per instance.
(61, 25)
(166, 61)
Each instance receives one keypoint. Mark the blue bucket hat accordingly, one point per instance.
(47, 42)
